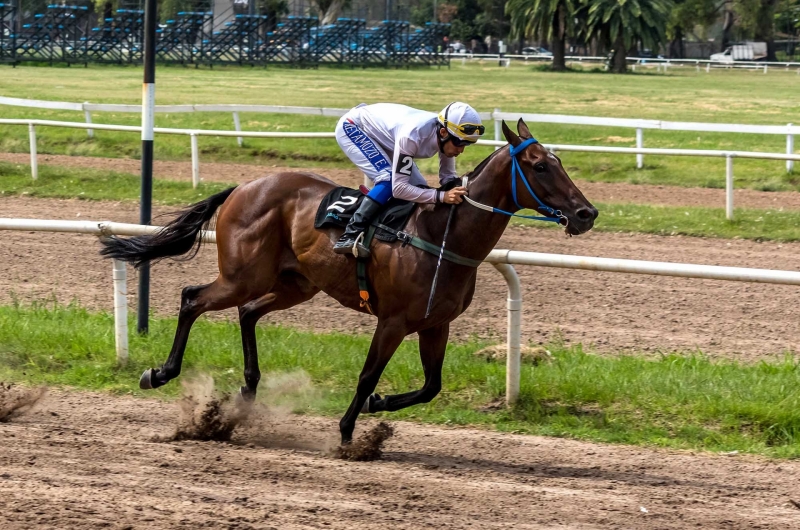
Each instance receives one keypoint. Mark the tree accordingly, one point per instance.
(551, 19)
(787, 23)
(330, 9)
(684, 17)
(273, 10)
(757, 18)
(473, 19)
(620, 24)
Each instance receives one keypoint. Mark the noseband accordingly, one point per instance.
(554, 215)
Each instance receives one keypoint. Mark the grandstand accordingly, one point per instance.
(75, 34)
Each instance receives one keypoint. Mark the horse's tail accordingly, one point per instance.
(175, 239)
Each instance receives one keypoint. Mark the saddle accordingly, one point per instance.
(339, 205)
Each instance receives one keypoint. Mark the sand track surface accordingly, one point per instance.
(83, 460)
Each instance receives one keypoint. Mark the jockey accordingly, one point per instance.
(384, 139)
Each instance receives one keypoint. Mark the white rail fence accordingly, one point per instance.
(502, 260)
(496, 115)
(634, 62)
(194, 133)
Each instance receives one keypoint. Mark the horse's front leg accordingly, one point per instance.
(388, 336)
(432, 346)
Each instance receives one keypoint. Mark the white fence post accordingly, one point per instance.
(88, 116)
(195, 162)
(789, 149)
(498, 126)
(120, 275)
(34, 162)
(514, 306)
(729, 187)
(238, 125)
(639, 145)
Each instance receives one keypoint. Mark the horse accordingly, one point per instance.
(271, 257)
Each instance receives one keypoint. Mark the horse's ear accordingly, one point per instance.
(511, 137)
(522, 129)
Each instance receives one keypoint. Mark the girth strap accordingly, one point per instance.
(407, 239)
(430, 248)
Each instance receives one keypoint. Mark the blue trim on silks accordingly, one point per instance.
(516, 170)
(366, 146)
(381, 192)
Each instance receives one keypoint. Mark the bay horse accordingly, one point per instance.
(272, 258)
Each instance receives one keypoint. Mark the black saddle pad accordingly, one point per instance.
(339, 205)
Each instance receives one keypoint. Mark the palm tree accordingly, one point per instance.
(622, 23)
(551, 19)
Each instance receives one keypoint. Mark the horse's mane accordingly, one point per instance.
(480, 167)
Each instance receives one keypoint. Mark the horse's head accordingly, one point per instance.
(544, 174)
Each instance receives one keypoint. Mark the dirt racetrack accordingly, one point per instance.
(83, 460)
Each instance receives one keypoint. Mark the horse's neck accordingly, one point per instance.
(474, 232)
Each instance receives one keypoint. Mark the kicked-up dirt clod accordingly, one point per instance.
(368, 447)
(205, 415)
(17, 400)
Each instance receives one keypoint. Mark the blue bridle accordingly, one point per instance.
(555, 216)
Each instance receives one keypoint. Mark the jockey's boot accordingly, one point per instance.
(350, 242)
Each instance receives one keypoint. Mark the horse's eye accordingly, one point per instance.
(540, 167)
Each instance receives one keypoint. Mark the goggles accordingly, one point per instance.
(469, 128)
(458, 142)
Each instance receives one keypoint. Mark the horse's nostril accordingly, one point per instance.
(587, 214)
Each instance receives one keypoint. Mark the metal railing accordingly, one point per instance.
(195, 133)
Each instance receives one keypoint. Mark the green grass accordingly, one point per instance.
(672, 401)
(721, 96)
(91, 184)
(95, 184)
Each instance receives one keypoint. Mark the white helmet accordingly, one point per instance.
(462, 122)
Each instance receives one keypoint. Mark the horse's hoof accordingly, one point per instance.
(146, 381)
(369, 404)
(245, 396)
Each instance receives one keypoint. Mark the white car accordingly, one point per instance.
(535, 51)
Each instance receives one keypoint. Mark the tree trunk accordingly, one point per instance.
(727, 26)
(620, 65)
(676, 48)
(765, 27)
(333, 12)
(559, 40)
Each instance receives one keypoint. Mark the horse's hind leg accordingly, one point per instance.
(291, 289)
(195, 300)
(388, 336)
(432, 346)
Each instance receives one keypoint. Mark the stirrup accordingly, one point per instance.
(359, 250)
(357, 242)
